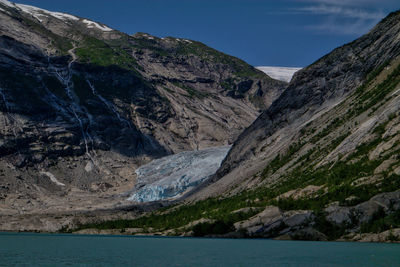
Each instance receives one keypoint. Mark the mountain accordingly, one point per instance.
(316, 92)
(280, 73)
(321, 163)
(83, 105)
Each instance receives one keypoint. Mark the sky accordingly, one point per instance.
(291, 33)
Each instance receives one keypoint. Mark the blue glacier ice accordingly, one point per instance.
(172, 176)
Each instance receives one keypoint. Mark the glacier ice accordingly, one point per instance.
(280, 73)
(172, 176)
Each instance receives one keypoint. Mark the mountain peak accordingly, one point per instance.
(42, 14)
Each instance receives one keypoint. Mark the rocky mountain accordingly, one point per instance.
(83, 105)
(327, 145)
(321, 163)
(310, 103)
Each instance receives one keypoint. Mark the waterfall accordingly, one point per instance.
(109, 105)
(55, 102)
(3, 96)
(66, 80)
(4, 100)
(10, 119)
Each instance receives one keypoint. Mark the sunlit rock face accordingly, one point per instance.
(172, 176)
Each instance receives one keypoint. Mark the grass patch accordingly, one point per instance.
(381, 222)
(94, 51)
(192, 93)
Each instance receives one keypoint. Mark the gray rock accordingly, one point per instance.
(337, 214)
(298, 218)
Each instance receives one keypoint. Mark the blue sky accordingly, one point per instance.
(262, 32)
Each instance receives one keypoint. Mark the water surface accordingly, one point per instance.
(83, 250)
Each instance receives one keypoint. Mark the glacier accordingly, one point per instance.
(172, 176)
(280, 73)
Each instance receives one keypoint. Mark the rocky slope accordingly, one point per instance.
(82, 105)
(329, 142)
(314, 97)
(320, 163)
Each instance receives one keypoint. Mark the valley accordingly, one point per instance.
(102, 132)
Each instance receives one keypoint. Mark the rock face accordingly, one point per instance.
(82, 105)
(305, 224)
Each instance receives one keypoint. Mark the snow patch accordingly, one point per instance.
(52, 178)
(280, 73)
(63, 16)
(34, 11)
(89, 166)
(38, 12)
(172, 176)
(183, 40)
(7, 3)
(147, 36)
(92, 24)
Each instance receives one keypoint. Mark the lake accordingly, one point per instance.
(26, 249)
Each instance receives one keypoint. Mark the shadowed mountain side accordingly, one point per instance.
(46, 98)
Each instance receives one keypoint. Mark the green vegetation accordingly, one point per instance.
(215, 228)
(381, 128)
(381, 222)
(228, 84)
(279, 161)
(335, 123)
(242, 69)
(94, 51)
(331, 230)
(151, 44)
(59, 42)
(338, 180)
(175, 217)
(192, 93)
(366, 99)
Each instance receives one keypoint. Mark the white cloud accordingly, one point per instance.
(357, 27)
(341, 17)
(353, 3)
(341, 11)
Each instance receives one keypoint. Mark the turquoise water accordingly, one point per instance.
(75, 250)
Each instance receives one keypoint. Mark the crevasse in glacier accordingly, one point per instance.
(171, 176)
